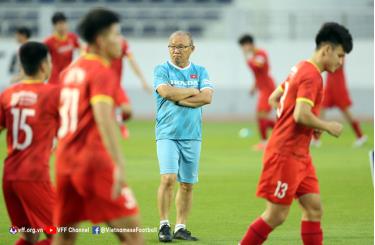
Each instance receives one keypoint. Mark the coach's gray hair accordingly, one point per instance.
(183, 33)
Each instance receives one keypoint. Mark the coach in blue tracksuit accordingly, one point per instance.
(181, 89)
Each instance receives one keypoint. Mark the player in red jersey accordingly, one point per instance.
(61, 45)
(336, 94)
(288, 171)
(90, 165)
(28, 110)
(122, 100)
(257, 60)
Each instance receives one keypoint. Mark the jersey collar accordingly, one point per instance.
(30, 81)
(59, 37)
(91, 56)
(179, 68)
(316, 67)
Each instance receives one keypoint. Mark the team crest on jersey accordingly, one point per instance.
(64, 49)
(23, 98)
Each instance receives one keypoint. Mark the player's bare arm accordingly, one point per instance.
(176, 94)
(201, 99)
(137, 70)
(108, 129)
(274, 98)
(303, 115)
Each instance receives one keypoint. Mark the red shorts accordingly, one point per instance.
(29, 203)
(122, 97)
(86, 193)
(339, 98)
(263, 105)
(285, 177)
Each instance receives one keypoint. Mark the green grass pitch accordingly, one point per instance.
(224, 199)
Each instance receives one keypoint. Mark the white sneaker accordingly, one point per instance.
(315, 143)
(360, 141)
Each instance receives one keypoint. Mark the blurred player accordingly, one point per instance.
(182, 88)
(61, 45)
(122, 100)
(28, 110)
(288, 171)
(23, 35)
(257, 60)
(90, 165)
(336, 94)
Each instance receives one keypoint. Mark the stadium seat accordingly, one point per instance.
(224, 1)
(202, 1)
(168, 30)
(128, 30)
(180, 1)
(196, 30)
(24, 1)
(47, 1)
(211, 15)
(149, 30)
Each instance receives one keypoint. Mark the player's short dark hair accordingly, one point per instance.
(334, 34)
(95, 22)
(58, 17)
(32, 55)
(23, 30)
(247, 38)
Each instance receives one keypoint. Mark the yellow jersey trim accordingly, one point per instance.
(60, 38)
(31, 81)
(101, 98)
(91, 56)
(308, 101)
(316, 67)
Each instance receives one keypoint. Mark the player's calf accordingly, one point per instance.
(65, 238)
(311, 205)
(27, 238)
(275, 214)
(311, 231)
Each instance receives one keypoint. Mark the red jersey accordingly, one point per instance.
(29, 112)
(259, 64)
(61, 51)
(336, 93)
(336, 81)
(304, 83)
(88, 80)
(116, 64)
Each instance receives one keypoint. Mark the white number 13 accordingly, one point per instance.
(281, 189)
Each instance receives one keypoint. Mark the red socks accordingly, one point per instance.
(263, 125)
(357, 129)
(311, 233)
(21, 241)
(257, 233)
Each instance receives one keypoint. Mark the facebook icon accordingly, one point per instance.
(96, 230)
